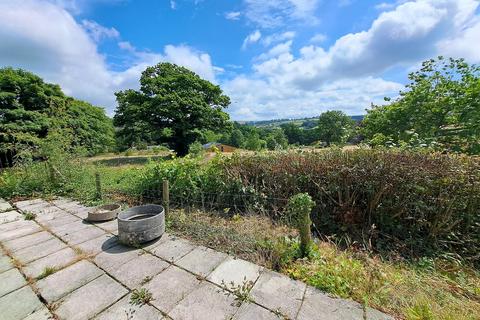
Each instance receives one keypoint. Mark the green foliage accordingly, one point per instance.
(195, 148)
(30, 216)
(440, 109)
(299, 208)
(276, 140)
(140, 296)
(30, 109)
(334, 127)
(409, 202)
(174, 98)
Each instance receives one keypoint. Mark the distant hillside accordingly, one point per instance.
(302, 122)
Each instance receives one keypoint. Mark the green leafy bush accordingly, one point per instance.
(413, 202)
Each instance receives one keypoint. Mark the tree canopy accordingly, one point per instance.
(174, 105)
(334, 127)
(30, 109)
(440, 108)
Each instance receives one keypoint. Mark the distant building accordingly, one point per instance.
(211, 146)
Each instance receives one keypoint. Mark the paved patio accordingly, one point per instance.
(59, 266)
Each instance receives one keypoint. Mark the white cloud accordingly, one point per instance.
(279, 49)
(275, 13)
(251, 38)
(278, 37)
(278, 100)
(234, 15)
(173, 5)
(348, 74)
(53, 45)
(318, 38)
(99, 32)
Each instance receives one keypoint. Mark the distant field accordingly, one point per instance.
(112, 160)
(278, 122)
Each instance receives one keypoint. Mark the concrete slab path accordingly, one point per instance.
(59, 266)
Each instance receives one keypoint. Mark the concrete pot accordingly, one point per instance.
(104, 213)
(141, 224)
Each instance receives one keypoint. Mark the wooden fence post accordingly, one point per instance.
(98, 185)
(166, 197)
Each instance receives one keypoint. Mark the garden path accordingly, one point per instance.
(58, 266)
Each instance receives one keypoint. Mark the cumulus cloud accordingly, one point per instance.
(251, 38)
(348, 74)
(61, 50)
(275, 13)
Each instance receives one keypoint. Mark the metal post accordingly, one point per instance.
(166, 197)
(98, 185)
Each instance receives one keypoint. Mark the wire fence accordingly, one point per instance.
(223, 203)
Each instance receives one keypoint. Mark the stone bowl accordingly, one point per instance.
(104, 213)
(141, 224)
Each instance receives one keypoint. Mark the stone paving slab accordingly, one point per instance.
(201, 260)
(27, 203)
(83, 235)
(173, 249)
(5, 263)
(65, 229)
(139, 270)
(19, 304)
(44, 218)
(40, 250)
(10, 281)
(99, 244)
(124, 310)
(68, 218)
(110, 226)
(82, 212)
(93, 298)
(35, 208)
(235, 270)
(319, 306)
(4, 205)
(10, 216)
(251, 311)
(278, 292)
(25, 228)
(170, 287)
(114, 257)
(207, 302)
(27, 241)
(16, 225)
(61, 283)
(42, 314)
(55, 260)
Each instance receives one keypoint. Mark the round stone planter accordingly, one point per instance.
(141, 224)
(104, 213)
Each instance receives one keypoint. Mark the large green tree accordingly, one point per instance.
(439, 108)
(30, 109)
(334, 127)
(174, 98)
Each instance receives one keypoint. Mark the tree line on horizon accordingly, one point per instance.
(174, 107)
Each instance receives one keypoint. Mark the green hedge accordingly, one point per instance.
(414, 203)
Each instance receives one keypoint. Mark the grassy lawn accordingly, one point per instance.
(424, 289)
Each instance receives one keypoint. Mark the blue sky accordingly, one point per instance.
(274, 58)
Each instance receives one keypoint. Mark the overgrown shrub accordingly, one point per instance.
(412, 202)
